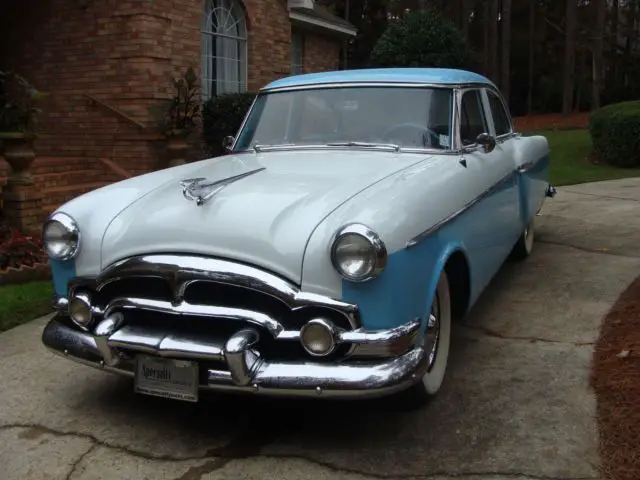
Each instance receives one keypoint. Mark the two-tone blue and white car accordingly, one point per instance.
(356, 215)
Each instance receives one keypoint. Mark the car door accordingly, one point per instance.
(495, 191)
(532, 184)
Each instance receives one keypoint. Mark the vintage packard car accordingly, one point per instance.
(356, 214)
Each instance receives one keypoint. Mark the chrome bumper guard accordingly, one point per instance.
(247, 370)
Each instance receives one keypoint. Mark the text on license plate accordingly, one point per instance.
(169, 378)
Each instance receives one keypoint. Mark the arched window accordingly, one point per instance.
(224, 48)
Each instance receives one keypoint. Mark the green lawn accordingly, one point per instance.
(24, 302)
(570, 150)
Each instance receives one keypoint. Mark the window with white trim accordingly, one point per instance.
(224, 48)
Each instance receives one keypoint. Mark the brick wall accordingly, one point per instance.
(269, 42)
(321, 53)
(124, 53)
(120, 52)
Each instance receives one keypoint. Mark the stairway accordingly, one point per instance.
(61, 179)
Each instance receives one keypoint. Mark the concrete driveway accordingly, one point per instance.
(516, 404)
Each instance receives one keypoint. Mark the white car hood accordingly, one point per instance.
(263, 219)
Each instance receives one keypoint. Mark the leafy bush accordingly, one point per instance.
(17, 249)
(422, 39)
(180, 113)
(223, 116)
(615, 131)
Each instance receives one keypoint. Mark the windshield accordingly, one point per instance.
(406, 117)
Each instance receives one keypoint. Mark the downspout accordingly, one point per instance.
(345, 48)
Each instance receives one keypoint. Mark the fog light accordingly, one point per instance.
(318, 337)
(80, 310)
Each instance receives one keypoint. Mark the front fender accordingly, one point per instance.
(404, 290)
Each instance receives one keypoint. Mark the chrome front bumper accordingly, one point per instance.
(246, 370)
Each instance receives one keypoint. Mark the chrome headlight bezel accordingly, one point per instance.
(378, 248)
(72, 234)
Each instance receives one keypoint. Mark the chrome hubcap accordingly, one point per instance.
(432, 333)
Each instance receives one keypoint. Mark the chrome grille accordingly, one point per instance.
(189, 294)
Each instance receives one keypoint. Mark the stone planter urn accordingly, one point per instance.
(177, 147)
(19, 154)
(22, 202)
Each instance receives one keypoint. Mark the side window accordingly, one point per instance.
(472, 119)
(500, 115)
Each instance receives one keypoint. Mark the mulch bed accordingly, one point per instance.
(552, 121)
(615, 377)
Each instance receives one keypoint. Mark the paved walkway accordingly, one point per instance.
(516, 404)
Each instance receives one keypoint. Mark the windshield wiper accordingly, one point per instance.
(391, 146)
(258, 147)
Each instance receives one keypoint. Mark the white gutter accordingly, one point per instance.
(309, 20)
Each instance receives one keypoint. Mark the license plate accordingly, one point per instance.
(164, 377)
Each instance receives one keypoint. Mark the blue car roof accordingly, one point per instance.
(444, 76)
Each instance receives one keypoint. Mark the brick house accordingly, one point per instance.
(107, 62)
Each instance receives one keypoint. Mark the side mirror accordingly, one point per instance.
(227, 143)
(487, 141)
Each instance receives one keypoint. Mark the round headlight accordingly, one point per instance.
(318, 337)
(61, 237)
(358, 253)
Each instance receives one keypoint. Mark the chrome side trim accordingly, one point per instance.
(357, 379)
(525, 167)
(467, 206)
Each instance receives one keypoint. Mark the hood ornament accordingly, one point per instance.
(195, 189)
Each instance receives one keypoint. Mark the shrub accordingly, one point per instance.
(17, 249)
(222, 116)
(422, 39)
(615, 131)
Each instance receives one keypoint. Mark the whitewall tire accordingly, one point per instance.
(437, 340)
(524, 247)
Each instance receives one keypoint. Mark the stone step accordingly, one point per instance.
(44, 165)
(47, 181)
